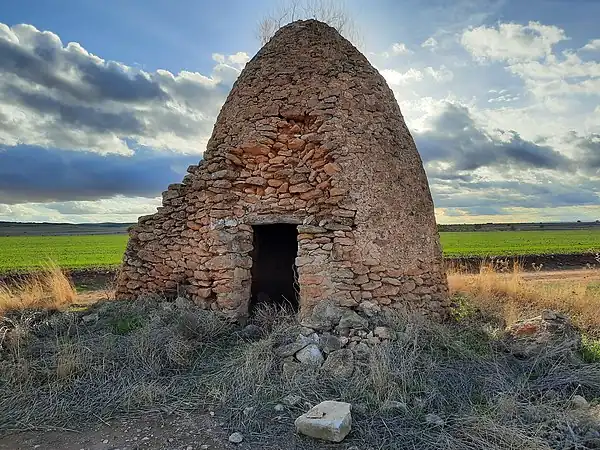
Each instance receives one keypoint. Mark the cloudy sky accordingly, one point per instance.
(104, 103)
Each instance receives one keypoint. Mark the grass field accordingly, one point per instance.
(496, 243)
(25, 252)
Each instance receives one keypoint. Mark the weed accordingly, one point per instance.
(590, 349)
(49, 288)
(59, 371)
(127, 324)
(511, 297)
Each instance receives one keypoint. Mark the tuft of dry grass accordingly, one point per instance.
(49, 288)
(509, 295)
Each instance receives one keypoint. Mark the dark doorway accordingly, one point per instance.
(274, 265)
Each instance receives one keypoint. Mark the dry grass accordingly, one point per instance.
(509, 295)
(58, 371)
(49, 288)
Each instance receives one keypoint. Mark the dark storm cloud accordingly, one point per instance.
(476, 195)
(456, 139)
(25, 65)
(73, 114)
(33, 174)
(589, 150)
(61, 96)
(44, 62)
(110, 81)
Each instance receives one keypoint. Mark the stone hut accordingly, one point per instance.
(311, 189)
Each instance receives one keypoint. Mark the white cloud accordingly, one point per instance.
(528, 53)
(430, 43)
(398, 78)
(61, 96)
(553, 67)
(401, 49)
(592, 46)
(441, 75)
(512, 41)
(118, 209)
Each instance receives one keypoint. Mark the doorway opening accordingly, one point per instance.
(274, 274)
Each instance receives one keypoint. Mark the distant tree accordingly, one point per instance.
(331, 12)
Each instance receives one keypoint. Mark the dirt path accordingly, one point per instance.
(584, 275)
(174, 432)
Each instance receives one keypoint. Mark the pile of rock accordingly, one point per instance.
(332, 338)
(549, 331)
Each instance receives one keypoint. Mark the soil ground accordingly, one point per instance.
(174, 431)
(153, 432)
(563, 275)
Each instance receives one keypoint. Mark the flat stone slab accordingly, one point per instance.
(329, 421)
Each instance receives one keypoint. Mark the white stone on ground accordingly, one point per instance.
(434, 419)
(329, 421)
(310, 355)
(292, 400)
(579, 402)
(236, 438)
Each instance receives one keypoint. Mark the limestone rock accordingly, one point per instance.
(550, 330)
(351, 319)
(294, 347)
(361, 351)
(292, 400)
(251, 331)
(310, 355)
(579, 402)
(328, 421)
(90, 318)
(340, 363)
(324, 316)
(434, 419)
(329, 343)
(384, 333)
(236, 438)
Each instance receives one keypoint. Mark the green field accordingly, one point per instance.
(25, 252)
(501, 243)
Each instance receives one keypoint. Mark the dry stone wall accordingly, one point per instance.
(310, 135)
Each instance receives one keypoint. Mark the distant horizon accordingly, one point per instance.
(583, 222)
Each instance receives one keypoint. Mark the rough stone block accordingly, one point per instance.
(329, 421)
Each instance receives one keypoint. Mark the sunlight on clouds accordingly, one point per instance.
(396, 77)
(512, 41)
(592, 46)
(430, 43)
(62, 96)
(401, 49)
(118, 209)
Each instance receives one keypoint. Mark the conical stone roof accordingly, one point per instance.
(312, 135)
